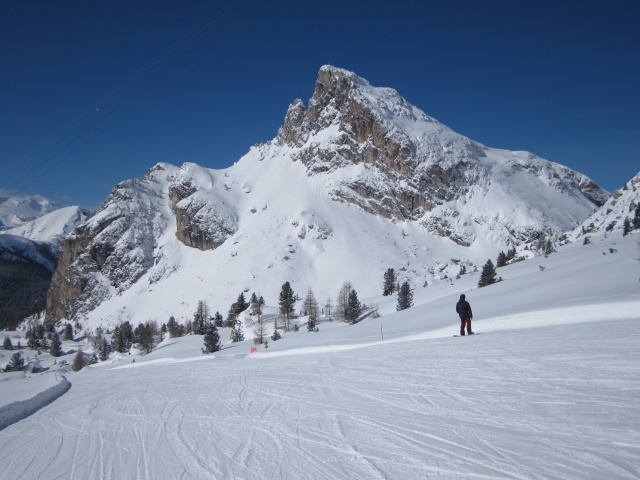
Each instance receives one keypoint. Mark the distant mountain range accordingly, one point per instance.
(355, 182)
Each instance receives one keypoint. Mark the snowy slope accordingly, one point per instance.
(548, 389)
(52, 227)
(357, 182)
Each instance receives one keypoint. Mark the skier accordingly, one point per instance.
(464, 311)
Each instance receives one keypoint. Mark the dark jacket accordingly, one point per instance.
(464, 309)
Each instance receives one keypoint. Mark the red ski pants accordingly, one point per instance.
(463, 322)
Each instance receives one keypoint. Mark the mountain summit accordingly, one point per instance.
(356, 182)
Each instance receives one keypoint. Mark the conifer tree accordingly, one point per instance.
(276, 335)
(173, 327)
(342, 302)
(488, 275)
(405, 297)
(626, 227)
(68, 332)
(17, 362)
(636, 218)
(286, 302)
(237, 335)
(212, 339)
(502, 260)
(354, 308)
(259, 329)
(105, 350)
(548, 248)
(7, 344)
(218, 319)
(200, 318)
(310, 305)
(389, 283)
(55, 349)
(78, 362)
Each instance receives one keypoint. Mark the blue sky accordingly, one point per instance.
(96, 92)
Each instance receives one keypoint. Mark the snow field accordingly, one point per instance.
(549, 389)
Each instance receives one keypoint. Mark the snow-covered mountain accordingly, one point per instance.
(18, 210)
(356, 182)
(52, 227)
(29, 252)
(611, 216)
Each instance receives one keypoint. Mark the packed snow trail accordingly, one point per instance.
(559, 402)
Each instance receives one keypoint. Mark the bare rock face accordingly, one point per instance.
(358, 122)
(409, 165)
(202, 221)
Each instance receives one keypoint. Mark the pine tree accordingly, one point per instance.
(548, 248)
(68, 332)
(405, 297)
(259, 329)
(502, 260)
(17, 362)
(173, 327)
(237, 334)
(342, 302)
(218, 319)
(310, 305)
(286, 302)
(389, 283)
(636, 218)
(105, 350)
(200, 318)
(212, 339)
(78, 362)
(488, 275)
(626, 227)
(276, 335)
(7, 344)
(55, 349)
(354, 308)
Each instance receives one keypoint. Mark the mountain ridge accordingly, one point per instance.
(358, 166)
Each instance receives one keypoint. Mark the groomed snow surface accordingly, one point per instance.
(548, 389)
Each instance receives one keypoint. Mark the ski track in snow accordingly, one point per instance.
(558, 402)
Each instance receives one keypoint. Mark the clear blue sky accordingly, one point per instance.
(96, 92)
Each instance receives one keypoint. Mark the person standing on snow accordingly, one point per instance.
(464, 311)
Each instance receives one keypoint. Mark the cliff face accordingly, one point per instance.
(413, 167)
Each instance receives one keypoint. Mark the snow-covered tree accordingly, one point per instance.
(405, 297)
(627, 228)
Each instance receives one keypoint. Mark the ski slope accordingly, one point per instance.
(548, 389)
